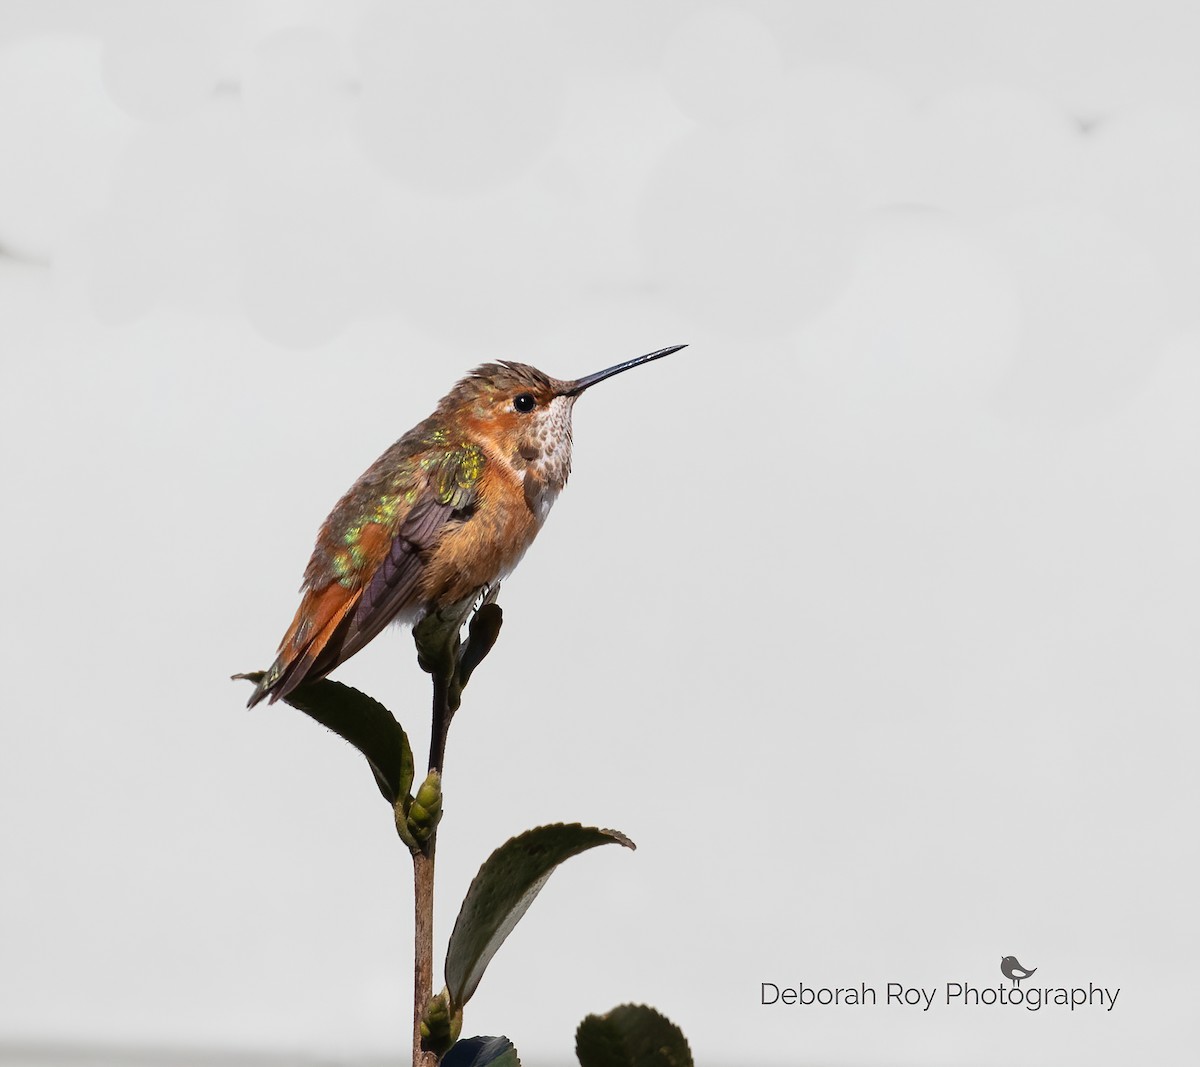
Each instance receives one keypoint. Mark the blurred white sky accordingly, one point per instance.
(871, 616)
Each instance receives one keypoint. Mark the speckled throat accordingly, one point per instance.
(544, 455)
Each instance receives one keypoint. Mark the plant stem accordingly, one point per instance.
(423, 947)
(423, 870)
(441, 722)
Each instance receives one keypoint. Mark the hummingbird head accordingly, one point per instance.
(526, 414)
(523, 413)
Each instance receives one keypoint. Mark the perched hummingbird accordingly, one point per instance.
(443, 514)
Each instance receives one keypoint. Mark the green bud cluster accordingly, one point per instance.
(440, 1027)
(425, 811)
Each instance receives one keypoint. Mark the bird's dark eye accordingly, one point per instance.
(524, 402)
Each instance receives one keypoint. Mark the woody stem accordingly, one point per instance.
(423, 952)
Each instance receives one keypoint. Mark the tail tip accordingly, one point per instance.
(260, 688)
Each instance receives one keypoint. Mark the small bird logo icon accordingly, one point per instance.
(1012, 968)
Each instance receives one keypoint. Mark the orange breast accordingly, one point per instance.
(486, 545)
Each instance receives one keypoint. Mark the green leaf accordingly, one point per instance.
(503, 890)
(365, 723)
(482, 1051)
(632, 1035)
(481, 636)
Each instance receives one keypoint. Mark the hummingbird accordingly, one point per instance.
(442, 516)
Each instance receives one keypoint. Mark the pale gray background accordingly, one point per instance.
(871, 617)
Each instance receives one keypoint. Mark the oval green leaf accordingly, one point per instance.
(503, 890)
(482, 1052)
(632, 1035)
(481, 637)
(365, 723)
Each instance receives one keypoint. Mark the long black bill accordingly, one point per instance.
(580, 384)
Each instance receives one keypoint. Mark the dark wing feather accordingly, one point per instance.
(338, 617)
(396, 584)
